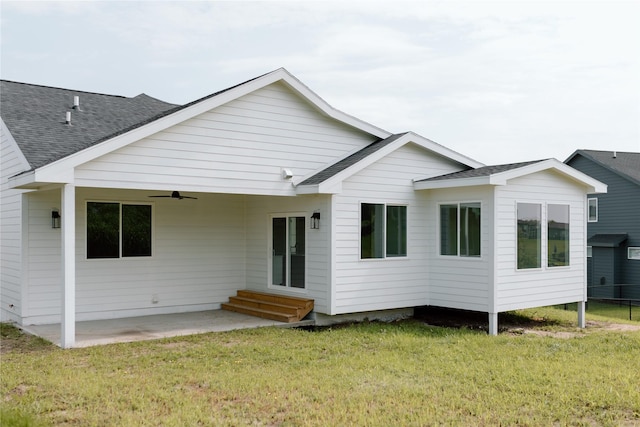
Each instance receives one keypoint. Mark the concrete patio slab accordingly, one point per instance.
(129, 329)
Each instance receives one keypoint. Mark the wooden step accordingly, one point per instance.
(265, 314)
(279, 299)
(264, 305)
(282, 308)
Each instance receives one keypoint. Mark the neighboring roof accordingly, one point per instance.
(35, 116)
(350, 160)
(625, 164)
(501, 174)
(606, 240)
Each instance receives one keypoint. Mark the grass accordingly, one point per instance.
(404, 373)
(611, 310)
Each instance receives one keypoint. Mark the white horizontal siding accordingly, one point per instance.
(545, 286)
(198, 259)
(461, 282)
(12, 162)
(43, 256)
(258, 222)
(378, 284)
(240, 147)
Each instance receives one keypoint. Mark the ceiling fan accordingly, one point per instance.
(177, 195)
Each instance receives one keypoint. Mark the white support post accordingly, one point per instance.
(68, 229)
(493, 323)
(582, 323)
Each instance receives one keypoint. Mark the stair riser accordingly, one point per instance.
(257, 313)
(265, 306)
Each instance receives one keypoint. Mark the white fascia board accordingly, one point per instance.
(592, 185)
(442, 150)
(327, 109)
(23, 181)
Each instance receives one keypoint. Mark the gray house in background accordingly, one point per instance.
(613, 241)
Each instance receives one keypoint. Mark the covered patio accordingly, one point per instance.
(130, 329)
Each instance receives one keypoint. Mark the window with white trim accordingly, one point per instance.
(633, 253)
(118, 230)
(592, 206)
(383, 231)
(460, 229)
(589, 252)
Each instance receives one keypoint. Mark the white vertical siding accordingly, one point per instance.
(12, 162)
(544, 286)
(240, 147)
(461, 282)
(258, 210)
(378, 284)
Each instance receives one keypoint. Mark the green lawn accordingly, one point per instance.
(404, 373)
(612, 310)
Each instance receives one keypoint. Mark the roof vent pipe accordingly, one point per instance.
(615, 154)
(68, 120)
(76, 102)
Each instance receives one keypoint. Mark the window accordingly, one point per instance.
(589, 252)
(117, 230)
(633, 253)
(460, 229)
(593, 210)
(529, 244)
(383, 231)
(557, 235)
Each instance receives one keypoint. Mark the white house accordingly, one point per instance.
(273, 191)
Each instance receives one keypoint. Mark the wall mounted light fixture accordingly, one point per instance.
(315, 220)
(55, 219)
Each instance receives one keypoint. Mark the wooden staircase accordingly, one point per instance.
(270, 306)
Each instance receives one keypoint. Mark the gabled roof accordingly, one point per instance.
(501, 174)
(329, 180)
(350, 160)
(35, 115)
(160, 116)
(624, 164)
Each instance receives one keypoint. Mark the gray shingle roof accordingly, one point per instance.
(350, 160)
(626, 163)
(35, 116)
(480, 172)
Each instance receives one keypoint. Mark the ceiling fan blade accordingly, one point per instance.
(177, 195)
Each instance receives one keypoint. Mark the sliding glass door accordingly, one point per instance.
(288, 251)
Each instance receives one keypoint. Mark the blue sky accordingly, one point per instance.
(499, 82)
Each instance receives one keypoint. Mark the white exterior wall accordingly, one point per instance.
(461, 282)
(197, 260)
(378, 284)
(317, 282)
(240, 147)
(12, 273)
(517, 289)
